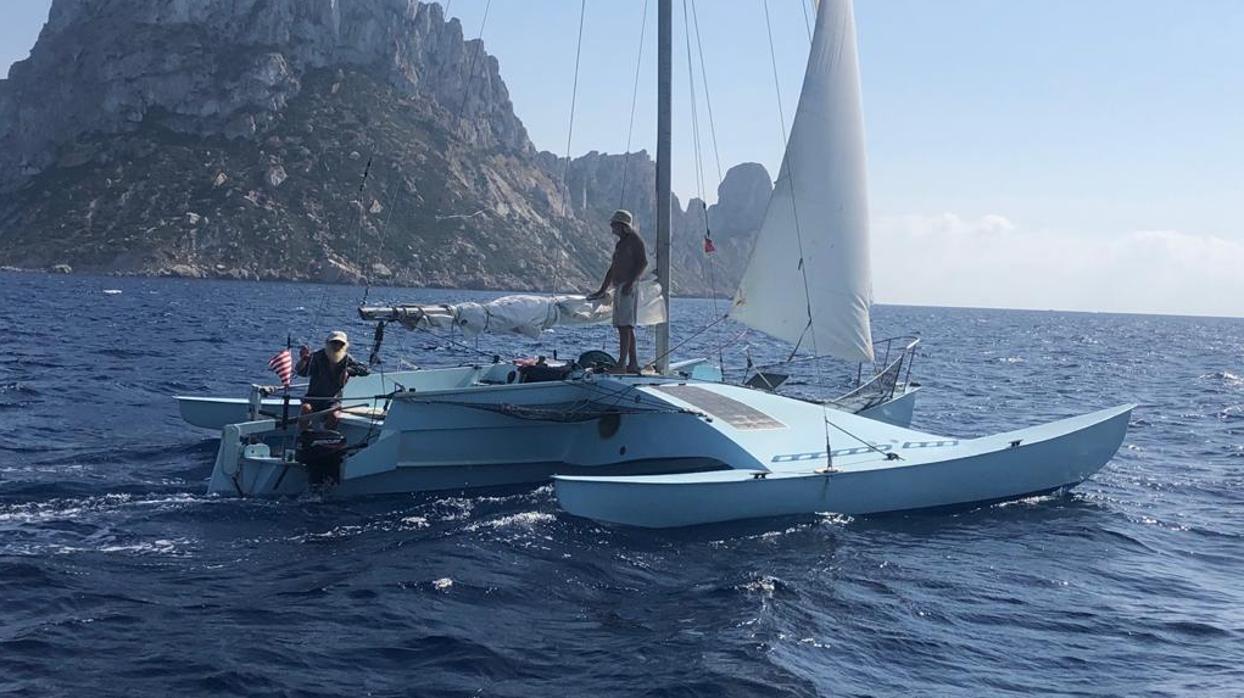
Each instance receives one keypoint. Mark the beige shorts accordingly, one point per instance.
(625, 306)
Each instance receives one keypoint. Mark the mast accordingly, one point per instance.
(665, 36)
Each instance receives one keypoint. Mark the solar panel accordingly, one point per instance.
(728, 410)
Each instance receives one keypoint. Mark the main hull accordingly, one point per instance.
(482, 437)
(470, 427)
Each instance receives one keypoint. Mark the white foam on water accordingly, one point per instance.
(765, 586)
(526, 519)
(414, 522)
(61, 509)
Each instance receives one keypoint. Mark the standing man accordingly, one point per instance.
(329, 369)
(629, 261)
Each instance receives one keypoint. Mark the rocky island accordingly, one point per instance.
(230, 139)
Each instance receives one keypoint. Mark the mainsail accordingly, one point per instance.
(527, 315)
(815, 230)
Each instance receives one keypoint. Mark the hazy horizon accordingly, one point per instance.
(1028, 155)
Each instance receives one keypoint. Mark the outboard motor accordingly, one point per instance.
(322, 452)
(596, 360)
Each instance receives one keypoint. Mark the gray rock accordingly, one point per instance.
(276, 176)
(182, 271)
(334, 271)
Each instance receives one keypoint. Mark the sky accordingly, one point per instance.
(1022, 153)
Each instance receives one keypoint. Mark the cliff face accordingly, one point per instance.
(230, 67)
(230, 137)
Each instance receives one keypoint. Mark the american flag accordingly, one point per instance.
(283, 366)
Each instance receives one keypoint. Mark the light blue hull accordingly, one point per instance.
(215, 412)
(897, 411)
(460, 438)
(928, 473)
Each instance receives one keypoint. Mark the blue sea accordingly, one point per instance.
(118, 576)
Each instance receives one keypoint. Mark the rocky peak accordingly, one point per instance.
(742, 198)
(227, 138)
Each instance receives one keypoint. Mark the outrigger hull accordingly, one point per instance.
(1002, 467)
(216, 412)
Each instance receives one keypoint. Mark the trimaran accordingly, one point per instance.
(679, 446)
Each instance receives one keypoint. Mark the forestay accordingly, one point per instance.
(818, 213)
(527, 315)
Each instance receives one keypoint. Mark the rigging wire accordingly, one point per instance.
(708, 100)
(377, 249)
(698, 150)
(712, 126)
(358, 231)
(806, 23)
(574, 95)
(695, 117)
(630, 130)
(790, 181)
(479, 48)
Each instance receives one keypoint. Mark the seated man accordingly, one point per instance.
(329, 369)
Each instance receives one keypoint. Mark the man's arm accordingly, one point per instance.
(355, 368)
(604, 285)
(304, 362)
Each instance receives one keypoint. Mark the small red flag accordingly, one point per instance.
(283, 366)
(709, 248)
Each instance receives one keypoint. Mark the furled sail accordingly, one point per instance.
(521, 314)
(816, 225)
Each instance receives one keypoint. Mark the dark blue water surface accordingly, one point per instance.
(119, 576)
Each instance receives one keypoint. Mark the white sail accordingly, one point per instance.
(818, 213)
(527, 315)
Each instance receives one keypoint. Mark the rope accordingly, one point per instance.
(630, 130)
(453, 342)
(806, 23)
(574, 95)
(872, 447)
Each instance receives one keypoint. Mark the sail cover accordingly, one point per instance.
(818, 214)
(527, 315)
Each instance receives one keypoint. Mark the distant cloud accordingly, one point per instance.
(990, 261)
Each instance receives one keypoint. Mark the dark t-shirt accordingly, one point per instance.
(630, 258)
(327, 380)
